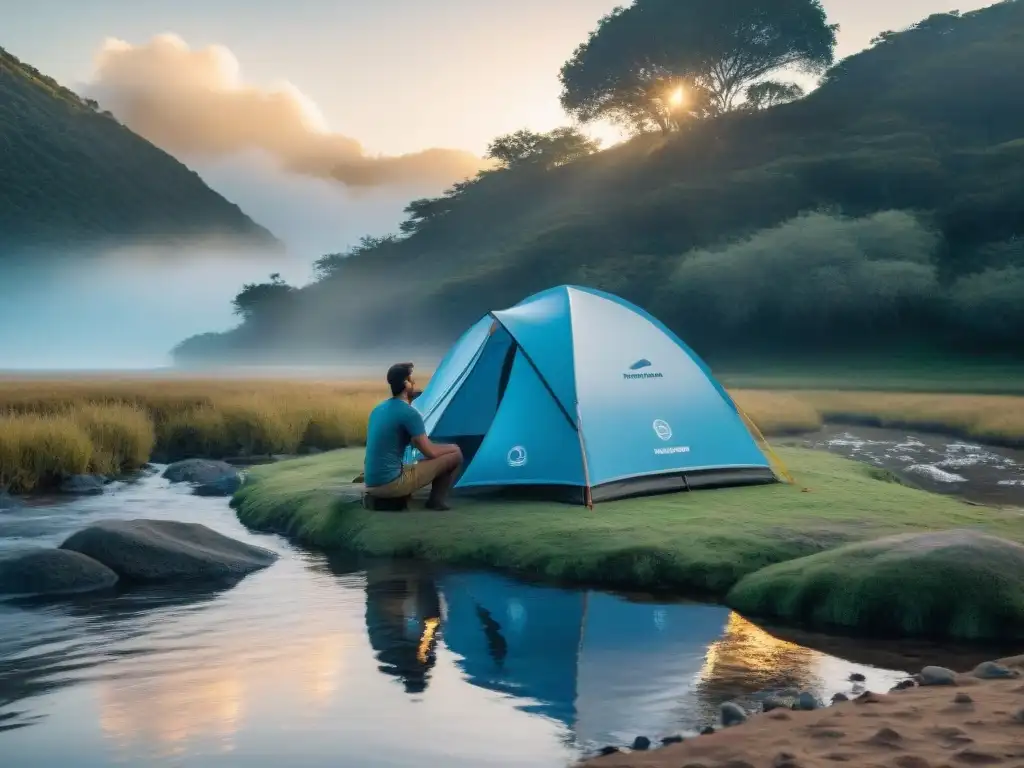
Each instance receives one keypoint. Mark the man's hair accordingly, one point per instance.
(398, 374)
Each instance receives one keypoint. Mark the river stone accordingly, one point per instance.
(641, 744)
(991, 670)
(224, 486)
(806, 702)
(937, 676)
(774, 702)
(83, 485)
(162, 550)
(732, 714)
(53, 572)
(199, 471)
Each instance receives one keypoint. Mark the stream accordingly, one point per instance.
(341, 661)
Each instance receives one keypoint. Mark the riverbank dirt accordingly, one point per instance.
(972, 722)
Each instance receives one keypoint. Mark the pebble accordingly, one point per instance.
(732, 714)
(962, 698)
(605, 751)
(857, 677)
(938, 676)
(773, 703)
(839, 697)
(641, 744)
(785, 760)
(672, 740)
(806, 702)
(1019, 717)
(707, 730)
(990, 670)
(903, 685)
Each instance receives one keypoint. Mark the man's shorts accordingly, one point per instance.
(413, 477)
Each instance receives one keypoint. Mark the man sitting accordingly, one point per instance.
(393, 426)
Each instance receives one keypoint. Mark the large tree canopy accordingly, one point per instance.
(634, 64)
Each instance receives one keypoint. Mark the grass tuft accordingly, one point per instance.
(954, 584)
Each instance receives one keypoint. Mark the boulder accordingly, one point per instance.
(224, 486)
(83, 485)
(199, 471)
(165, 550)
(959, 584)
(53, 572)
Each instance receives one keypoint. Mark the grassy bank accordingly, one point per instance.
(50, 428)
(704, 541)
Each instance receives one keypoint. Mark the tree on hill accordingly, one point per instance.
(547, 150)
(770, 93)
(632, 68)
(257, 301)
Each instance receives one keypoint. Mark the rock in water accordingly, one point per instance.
(990, 670)
(773, 702)
(53, 572)
(199, 471)
(162, 550)
(856, 677)
(938, 676)
(641, 744)
(839, 698)
(83, 485)
(225, 486)
(732, 714)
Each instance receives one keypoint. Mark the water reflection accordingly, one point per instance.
(403, 612)
(327, 660)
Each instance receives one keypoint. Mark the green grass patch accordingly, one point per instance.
(694, 542)
(951, 584)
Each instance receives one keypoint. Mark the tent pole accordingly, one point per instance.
(587, 496)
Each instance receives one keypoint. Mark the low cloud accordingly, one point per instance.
(195, 103)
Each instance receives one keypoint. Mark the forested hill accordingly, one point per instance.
(885, 208)
(72, 175)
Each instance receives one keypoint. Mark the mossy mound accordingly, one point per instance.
(703, 541)
(952, 584)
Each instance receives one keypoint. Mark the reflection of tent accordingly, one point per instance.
(595, 662)
(582, 391)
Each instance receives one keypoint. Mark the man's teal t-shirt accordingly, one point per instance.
(392, 426)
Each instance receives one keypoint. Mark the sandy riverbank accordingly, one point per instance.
(974, 723)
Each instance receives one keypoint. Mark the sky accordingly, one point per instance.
(322, 119)
(398, 75)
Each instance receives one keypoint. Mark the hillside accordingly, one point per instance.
(883, 210)
(70, 174)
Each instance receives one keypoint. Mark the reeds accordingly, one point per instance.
(53, 428)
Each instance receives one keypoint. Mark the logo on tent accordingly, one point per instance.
(639, 365)
(517, 456)
(662, 429)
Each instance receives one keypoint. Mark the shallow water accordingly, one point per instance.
(321, 661)
(937, 463)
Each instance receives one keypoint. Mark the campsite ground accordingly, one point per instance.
(108, 424)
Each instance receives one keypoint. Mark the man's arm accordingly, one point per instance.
(432, 450)
(422, 443)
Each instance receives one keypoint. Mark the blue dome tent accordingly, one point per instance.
(585, 395)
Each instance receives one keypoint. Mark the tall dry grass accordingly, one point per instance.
(53, 428)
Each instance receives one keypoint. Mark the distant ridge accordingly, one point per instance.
(71, 174)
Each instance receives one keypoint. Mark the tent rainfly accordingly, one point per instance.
(588, 397)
